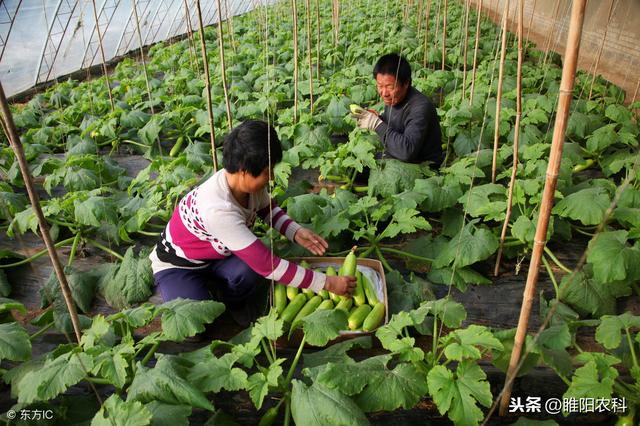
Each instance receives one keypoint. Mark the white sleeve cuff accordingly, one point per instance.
(291, 231)
(317, 284)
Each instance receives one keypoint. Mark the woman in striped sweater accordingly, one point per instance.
(209, 237)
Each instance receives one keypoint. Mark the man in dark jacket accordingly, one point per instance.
(409, 127)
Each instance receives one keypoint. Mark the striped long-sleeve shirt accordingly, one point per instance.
(209, 224)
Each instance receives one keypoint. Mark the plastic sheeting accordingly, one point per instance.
(44, 39)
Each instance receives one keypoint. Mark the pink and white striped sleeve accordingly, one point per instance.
(276, 216)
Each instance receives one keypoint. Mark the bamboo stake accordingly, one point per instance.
(230, 26)
(318, 39)
(496, 133)
(193, 57)
(223, 70)
(16, 145)
(104, 61)
(516, 137)
(564, 103)
(466, 43)
(635, 93)
(419, 19)
(308, 6)
(142, 59)
(599, 54)
(207, 82)
(444, 35)
(295, 60)
(475, 52)
(426, 33)
(437, 22)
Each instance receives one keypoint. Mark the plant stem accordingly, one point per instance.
(105, 249)
(74, 248)
(149, 354)
(406, 254)
(383, 260)
(552, 276)
(434, 343)
(148, 233)
(366, 252)
(339, 253)
(98, 380)
(556, 261)
(287, 412)
(37, 255)
(41, 331)
(295, 361)
(266, 350)
(631, 348)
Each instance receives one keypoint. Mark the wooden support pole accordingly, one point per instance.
(635, 93)
(426, 33)
(308, 7)
(438, 22)
(295, 60)
(475, 52)
(230, 29)
(142, 58)
(223, 69)
(533, 11)
(318, 39)
(496, 132)
(193, 57)
(104, 61)
(467, 5)
(207, 83)
(444, 35)
(16, 145)
(548, 43)
(562, 117)
(516, 137)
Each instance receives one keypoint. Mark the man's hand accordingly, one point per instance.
(311, 241)
(344, 286)
(367, 119)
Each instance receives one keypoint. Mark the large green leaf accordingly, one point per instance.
(81, 283)
(182, 318)
(389, 389)
(405, 221)
(169, 414)
(463, 344)
(611, 257)
(336, 353)
(216, 374)
(164, 384)
(440, 194)
(587, 206)
(14, 342)
(487, 201)
(54, 377)
(456, 393)
(469, 246)
(393, 176)
(116, 412)
(260, 382)
(113, 364)
(609, 332)
(322, 326)
(317, 405)
(270, 326)
(351, 377)
(586, 295)
(131, 283)
(595, 379)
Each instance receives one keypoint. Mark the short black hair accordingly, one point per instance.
(395, 65)
(249, 146)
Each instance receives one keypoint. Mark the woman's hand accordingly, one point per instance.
(343, 286)
(311, 241)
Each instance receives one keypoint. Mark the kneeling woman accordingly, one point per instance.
(209, 236)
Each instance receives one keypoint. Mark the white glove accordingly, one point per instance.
(367, 119)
